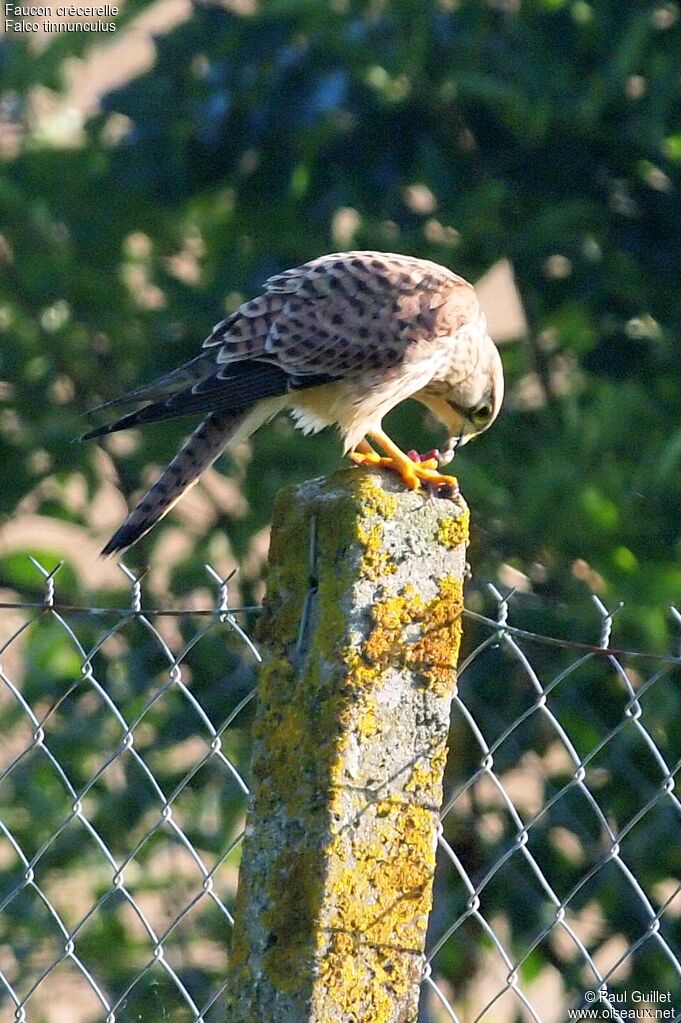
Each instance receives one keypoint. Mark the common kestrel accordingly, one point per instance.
(338, 341)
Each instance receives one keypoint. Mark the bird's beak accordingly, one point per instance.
(460, 429)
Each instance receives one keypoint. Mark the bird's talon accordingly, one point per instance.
(426, 474)
(412, 473)
(374, 459)
(446, 490)
(365, 457)
(436, 455)
(437, 479)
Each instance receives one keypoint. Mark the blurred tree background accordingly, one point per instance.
(543, 132)
(546, 133)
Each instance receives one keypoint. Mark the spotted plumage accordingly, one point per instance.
(338, 341)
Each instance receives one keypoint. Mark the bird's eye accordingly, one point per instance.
(481, 414)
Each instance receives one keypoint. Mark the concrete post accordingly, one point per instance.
(360, 633)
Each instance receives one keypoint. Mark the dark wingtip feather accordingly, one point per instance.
(98, 431)
(146, 414)
(133, 397)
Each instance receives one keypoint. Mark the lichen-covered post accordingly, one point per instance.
(361, 632)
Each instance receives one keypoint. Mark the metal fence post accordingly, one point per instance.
(361, 632)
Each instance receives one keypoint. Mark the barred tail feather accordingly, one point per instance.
(204, 446)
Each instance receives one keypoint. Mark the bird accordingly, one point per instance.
(337, 341)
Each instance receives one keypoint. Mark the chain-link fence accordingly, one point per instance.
(123, 782)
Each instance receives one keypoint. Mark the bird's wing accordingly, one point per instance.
(186, 376)
(246, 384)
(337, 316)
(346, 313)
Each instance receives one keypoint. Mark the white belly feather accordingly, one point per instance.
(356, 405)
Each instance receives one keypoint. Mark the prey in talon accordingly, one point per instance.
(338, 341)
(446, 486)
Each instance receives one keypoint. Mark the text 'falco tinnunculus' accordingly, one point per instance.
(338, 341)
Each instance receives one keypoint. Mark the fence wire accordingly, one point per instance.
(123, 784)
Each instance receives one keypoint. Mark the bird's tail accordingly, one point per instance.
(203, 447)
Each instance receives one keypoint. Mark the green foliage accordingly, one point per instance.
(544, 134)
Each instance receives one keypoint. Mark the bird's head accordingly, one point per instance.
(468, 407)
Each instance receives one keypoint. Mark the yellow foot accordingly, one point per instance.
(433, 480)
(368, 458)
(413, 474)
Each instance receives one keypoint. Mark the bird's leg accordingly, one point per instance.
(412, 473)
(364, 454)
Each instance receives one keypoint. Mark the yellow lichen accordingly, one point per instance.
(374, 499)
(376, 562)
(454, 531)
(367, 723)
(361, 983)
(378, 897)
(361, 676)
(425, 773)
(436, 653)
(378, 506)
(296, 735)
(425, 777)
(389, 617)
